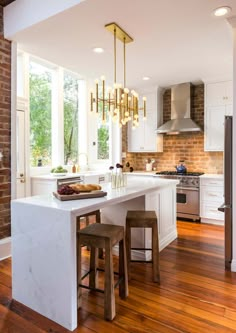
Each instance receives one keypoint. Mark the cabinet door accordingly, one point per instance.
(150, 137)
(214, 128)
(216, 93)
(228, 93)
(136, 137)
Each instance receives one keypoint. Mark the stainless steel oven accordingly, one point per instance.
(187, 197)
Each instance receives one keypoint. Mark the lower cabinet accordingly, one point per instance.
(211, 197)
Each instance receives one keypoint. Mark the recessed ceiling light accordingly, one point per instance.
(146, 78)
(222, 11)
(98, 50)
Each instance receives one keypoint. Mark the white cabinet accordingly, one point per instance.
(211, 197)
(143, 138)
(218, 104)
(48, 184)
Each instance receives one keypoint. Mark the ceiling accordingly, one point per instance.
(174, 41)
(4, 3)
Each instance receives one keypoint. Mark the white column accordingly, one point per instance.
(232, 22)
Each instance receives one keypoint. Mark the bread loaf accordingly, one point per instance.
(85, 187)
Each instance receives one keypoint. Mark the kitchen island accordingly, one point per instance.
(44, 240)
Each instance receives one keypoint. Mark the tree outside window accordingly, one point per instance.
(40, 115)
(71, 87)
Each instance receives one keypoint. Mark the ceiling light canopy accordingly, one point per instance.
(222, 11)
(117, 102)
(146, 78)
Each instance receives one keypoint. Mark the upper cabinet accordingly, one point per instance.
(218, 104)
(143, 138)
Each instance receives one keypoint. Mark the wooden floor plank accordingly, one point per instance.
(196, 294)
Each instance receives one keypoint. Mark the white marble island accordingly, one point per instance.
(44, 240)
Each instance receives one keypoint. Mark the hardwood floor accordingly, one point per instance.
(196, 294)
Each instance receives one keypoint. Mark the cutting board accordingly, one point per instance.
(82, 195)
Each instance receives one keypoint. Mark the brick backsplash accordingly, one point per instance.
(5, 131)
(187, 146)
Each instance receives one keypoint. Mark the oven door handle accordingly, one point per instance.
(187, 188)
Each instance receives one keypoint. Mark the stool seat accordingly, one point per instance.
(143, 219)
(99, 235)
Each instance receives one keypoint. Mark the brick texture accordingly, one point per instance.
(5, 131)
(188, 146)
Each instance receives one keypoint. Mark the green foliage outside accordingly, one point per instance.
(103, 142)
(40, 118)
(40, 84)
(70, 119)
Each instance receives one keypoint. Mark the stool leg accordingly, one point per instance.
(93, 267)
(98, 220)
(109, 293)
(155, 254)
(79, 291)
(128, 247)
(123, 286)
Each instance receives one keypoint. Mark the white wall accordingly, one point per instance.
(22, 14)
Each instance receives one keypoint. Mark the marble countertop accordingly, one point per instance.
(136, 186)
(209, 175)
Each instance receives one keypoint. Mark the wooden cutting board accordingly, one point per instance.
(83, 195)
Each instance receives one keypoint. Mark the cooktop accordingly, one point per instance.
(179, 173)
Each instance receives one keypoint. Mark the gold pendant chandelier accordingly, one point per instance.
(117, 102)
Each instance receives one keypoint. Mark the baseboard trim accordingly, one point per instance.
(233, 265)
(211, 221)
(5, 248)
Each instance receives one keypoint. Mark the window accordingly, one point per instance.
(40, 89)
(103, 141)
(71, 105)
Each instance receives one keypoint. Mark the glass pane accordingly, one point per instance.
(103, 141)
(40, 81)
(71, 86)
(181, 198)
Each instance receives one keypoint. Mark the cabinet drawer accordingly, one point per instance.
(212, 194)
(210, 211)
(212, 182)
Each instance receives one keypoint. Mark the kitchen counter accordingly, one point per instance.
(44, 240)
(216, 176)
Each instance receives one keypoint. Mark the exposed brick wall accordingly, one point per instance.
(188, 146)
(5, 131)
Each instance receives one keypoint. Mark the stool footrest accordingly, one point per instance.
(90, 288)
(140, 248)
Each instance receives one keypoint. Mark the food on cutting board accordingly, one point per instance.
(67, 190)
(85, 187)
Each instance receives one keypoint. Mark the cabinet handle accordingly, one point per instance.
(22, 180)
(213, 210)
(213, 195)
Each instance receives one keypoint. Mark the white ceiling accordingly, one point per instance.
(174, 40)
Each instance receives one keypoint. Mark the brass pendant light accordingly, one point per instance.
(118, 104)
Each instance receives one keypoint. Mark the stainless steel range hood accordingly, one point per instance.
(180, 112)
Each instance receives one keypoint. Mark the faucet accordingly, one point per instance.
(81, 164)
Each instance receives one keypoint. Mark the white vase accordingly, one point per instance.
(148, 166)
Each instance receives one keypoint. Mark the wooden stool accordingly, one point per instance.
(103, 236)
(143, 219)
(97, 215)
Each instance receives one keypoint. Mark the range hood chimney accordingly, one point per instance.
(180, 112)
